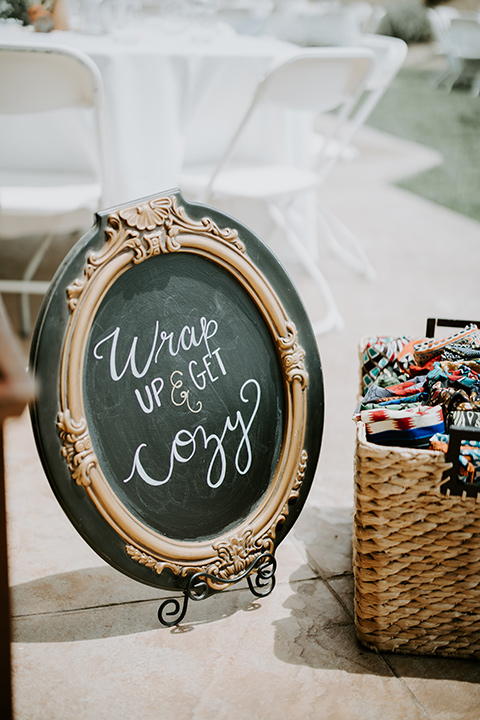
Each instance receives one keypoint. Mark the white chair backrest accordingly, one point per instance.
(336, 27)
(438, 27)
(390, 54)
(465, 37)
(446, 12)
(318, 79)
(60, 90)
(35, 79)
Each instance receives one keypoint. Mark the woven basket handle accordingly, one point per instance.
(433, 323)
(455, 486)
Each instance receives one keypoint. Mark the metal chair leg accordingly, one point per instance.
(30, 271)
(357, 258)
(333, 319)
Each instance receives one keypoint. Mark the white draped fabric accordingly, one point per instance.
(168, 95)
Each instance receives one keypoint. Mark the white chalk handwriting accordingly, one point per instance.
(189, 337)
(186, 443)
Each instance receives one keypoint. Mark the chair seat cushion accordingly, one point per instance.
(251, 181)
(32, 203)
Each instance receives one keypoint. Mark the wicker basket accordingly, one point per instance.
(416, 552)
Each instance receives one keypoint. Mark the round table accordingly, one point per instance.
(172, 94)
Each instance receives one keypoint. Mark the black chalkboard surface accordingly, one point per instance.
(180, 413)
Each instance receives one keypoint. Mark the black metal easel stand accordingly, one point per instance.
(263, 567)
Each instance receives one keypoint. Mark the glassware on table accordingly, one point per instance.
(202, 15)
(84, 16)
(102, 16)
(172, 15)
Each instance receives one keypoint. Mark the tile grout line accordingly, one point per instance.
(69, 611)
(178, 593)
(175, 594)
(320, 575)
(384, 659)
(326, 579)
(405, 685)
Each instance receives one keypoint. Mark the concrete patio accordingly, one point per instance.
(86, 639)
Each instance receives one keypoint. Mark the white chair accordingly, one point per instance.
(457, 36)
(52, 166)
(390, 54)
(439, 19)
(313, 81)
(465, 42)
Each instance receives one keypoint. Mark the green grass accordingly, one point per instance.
(449, 122)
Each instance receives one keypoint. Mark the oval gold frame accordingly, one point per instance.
(133, 235)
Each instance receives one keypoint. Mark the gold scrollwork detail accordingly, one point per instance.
(165, 220)
(302, 466)
(150, 244)
(119, 238)
(160, 242)
(74, 291)
(178, 221)
(77, 447)
(294, 493)
(293, 356)
(235, 555)
(160, 565)
(151, 562)
(147, 215)
(233, 558)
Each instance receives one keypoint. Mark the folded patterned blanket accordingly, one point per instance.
(410, 427)
(413, 389)
(387, 360)
(466, 340)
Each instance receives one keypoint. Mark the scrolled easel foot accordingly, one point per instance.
(172, 610)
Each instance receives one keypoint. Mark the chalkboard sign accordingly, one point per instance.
(180, 412)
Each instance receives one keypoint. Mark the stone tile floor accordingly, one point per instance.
(87, 643)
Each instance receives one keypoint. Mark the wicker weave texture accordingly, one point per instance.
(416, 555)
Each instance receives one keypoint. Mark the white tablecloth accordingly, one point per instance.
(171, 96)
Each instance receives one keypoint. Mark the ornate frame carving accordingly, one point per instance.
(133, 235)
